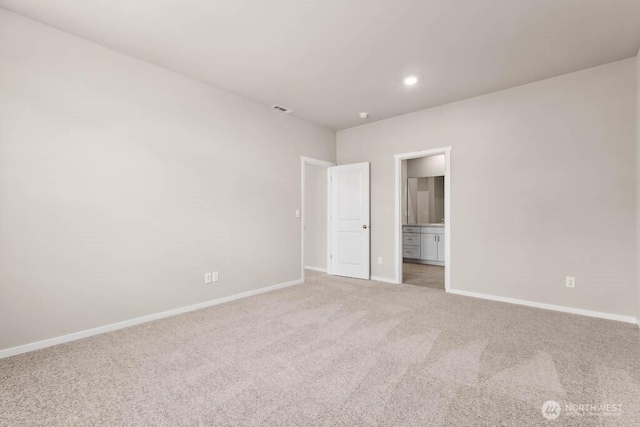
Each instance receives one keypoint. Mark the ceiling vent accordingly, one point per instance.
(282, 109)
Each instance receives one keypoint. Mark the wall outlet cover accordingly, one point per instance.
(207, 278)
(570, 282)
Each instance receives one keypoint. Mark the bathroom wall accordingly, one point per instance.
(425, 166)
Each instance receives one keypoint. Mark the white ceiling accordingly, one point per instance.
(328, 60)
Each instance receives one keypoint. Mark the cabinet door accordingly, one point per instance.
(441, 247)
(411, 239)
(429, 247)
(411, 252)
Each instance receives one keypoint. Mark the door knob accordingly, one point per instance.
(364, 226)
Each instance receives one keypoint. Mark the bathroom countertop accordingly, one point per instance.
(438, 224)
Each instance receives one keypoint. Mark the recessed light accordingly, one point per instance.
(410, 80)
(364, 115)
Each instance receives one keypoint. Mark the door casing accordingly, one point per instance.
(304, 161)
(398, 158)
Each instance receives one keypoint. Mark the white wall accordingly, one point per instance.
(122, 183)
(315, 238)
(543, 187)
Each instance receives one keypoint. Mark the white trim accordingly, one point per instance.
(320, 269)
(132, 322)
(560, 308)
(329, 207)
(447, 209)
(303, 162)
(384, 279)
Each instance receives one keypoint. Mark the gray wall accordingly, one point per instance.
(315, 240)
(436, 205)
(122, 183)
(425, 200)
(405, 192)
(638, 172)
(425, 166)
(543, 187)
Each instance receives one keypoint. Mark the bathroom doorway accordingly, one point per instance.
(422, 218)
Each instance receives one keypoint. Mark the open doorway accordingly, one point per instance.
(314, 249)
(423, 218)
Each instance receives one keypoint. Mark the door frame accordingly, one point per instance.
(398, 158)
(304, 162)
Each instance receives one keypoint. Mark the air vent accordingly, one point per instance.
(282, 109)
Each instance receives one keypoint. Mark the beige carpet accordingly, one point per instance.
(335, 352)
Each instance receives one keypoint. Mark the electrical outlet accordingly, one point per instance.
(207, 278)
(571, 282)
(379, 260)
(215, 276)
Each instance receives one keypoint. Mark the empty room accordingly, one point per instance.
(320, 213)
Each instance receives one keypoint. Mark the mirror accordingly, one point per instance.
(425, 200)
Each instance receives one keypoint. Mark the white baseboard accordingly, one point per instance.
(563, 309)
(320, 269)
(383, 279)
(132, 322)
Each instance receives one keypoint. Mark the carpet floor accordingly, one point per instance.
(336, 351)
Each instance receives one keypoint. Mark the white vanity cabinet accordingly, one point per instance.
(441, 247)
(423, 244)
(432, 244)
(429, 247)
(411, 242)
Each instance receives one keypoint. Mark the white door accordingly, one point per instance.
(429, 247)
(349, 219)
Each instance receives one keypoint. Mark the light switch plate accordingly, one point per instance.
(297, 213)
(215, 276)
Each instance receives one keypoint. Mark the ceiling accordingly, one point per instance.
(329, 60)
